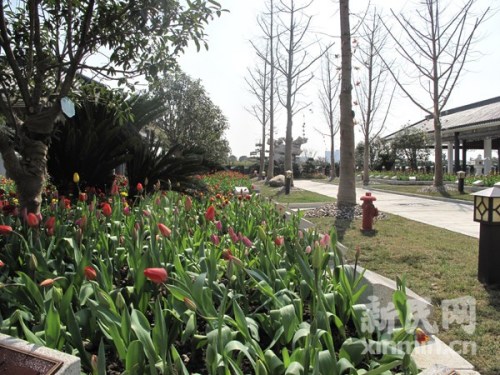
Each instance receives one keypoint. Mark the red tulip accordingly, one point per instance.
(325, 240)
(156, 275)
(421, 336)
(50, 225)
(106, 209)
(81, 222)
(115, 190)
(139, 187)
(2, 264)
(82, 197)
(218, 225)
(246, 241)
(47, 282)
(5, 229)
(210, 213)
(233, 235)
(215, 239)
(164, 230)
(228, 255)
(188, 203)
(51, 222)
(279, 240)
(32, 220)
(90, 273)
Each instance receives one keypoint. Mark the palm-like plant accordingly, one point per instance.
(98, 139)
(174, 169)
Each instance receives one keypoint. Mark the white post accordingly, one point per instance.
(450, 157)
(487, 156)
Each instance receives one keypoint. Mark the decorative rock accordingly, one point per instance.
(241, 190)
(331, 210)
(478, 183)
(413, 178)
(277, 181)
(386, 177)
(394, 177)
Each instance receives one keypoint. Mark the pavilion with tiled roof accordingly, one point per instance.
(474, 126)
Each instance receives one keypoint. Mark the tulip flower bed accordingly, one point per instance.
(168, 284)
(224, 182)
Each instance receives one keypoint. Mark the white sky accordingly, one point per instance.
(223, 69)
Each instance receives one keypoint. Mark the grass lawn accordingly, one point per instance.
(295, 196)
(417, 189)
(439, 265)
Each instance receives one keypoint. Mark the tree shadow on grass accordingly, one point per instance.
(341, 226)
(369, 233)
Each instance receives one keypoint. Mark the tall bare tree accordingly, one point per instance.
(436, 45)
(293, 62)
(346, 196)
(372, 84)
(328, 96)
(259, 85)
(267, 26)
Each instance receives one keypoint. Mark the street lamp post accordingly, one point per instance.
(487, 213)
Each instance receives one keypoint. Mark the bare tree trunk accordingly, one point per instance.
(270, 167)
(263, 142)
(438, 146)
(328, 96)
(366, 161)
(347, 185)
(332, 159)
(289, 90)
(28, 169)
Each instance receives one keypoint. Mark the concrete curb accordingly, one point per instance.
(70, 366)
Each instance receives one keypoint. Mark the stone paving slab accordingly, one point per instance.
(437, 352)
(444, 370)
(453, 216)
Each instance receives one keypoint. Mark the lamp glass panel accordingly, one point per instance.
(481, 208)
(496, 210)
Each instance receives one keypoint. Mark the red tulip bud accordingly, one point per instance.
(5, 229)
(164, 230)
(90, 273)
(32, 220)
(156, 275)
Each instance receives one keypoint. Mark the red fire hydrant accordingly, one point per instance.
(369, 211)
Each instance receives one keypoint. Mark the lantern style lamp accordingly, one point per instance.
(288, 181)
(461, 181)
(487, 213)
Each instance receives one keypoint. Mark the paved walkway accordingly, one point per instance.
(456, 217)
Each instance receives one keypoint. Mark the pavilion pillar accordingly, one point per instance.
(450, 157)
(487, 156)
(457, 153)
(464, 155)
